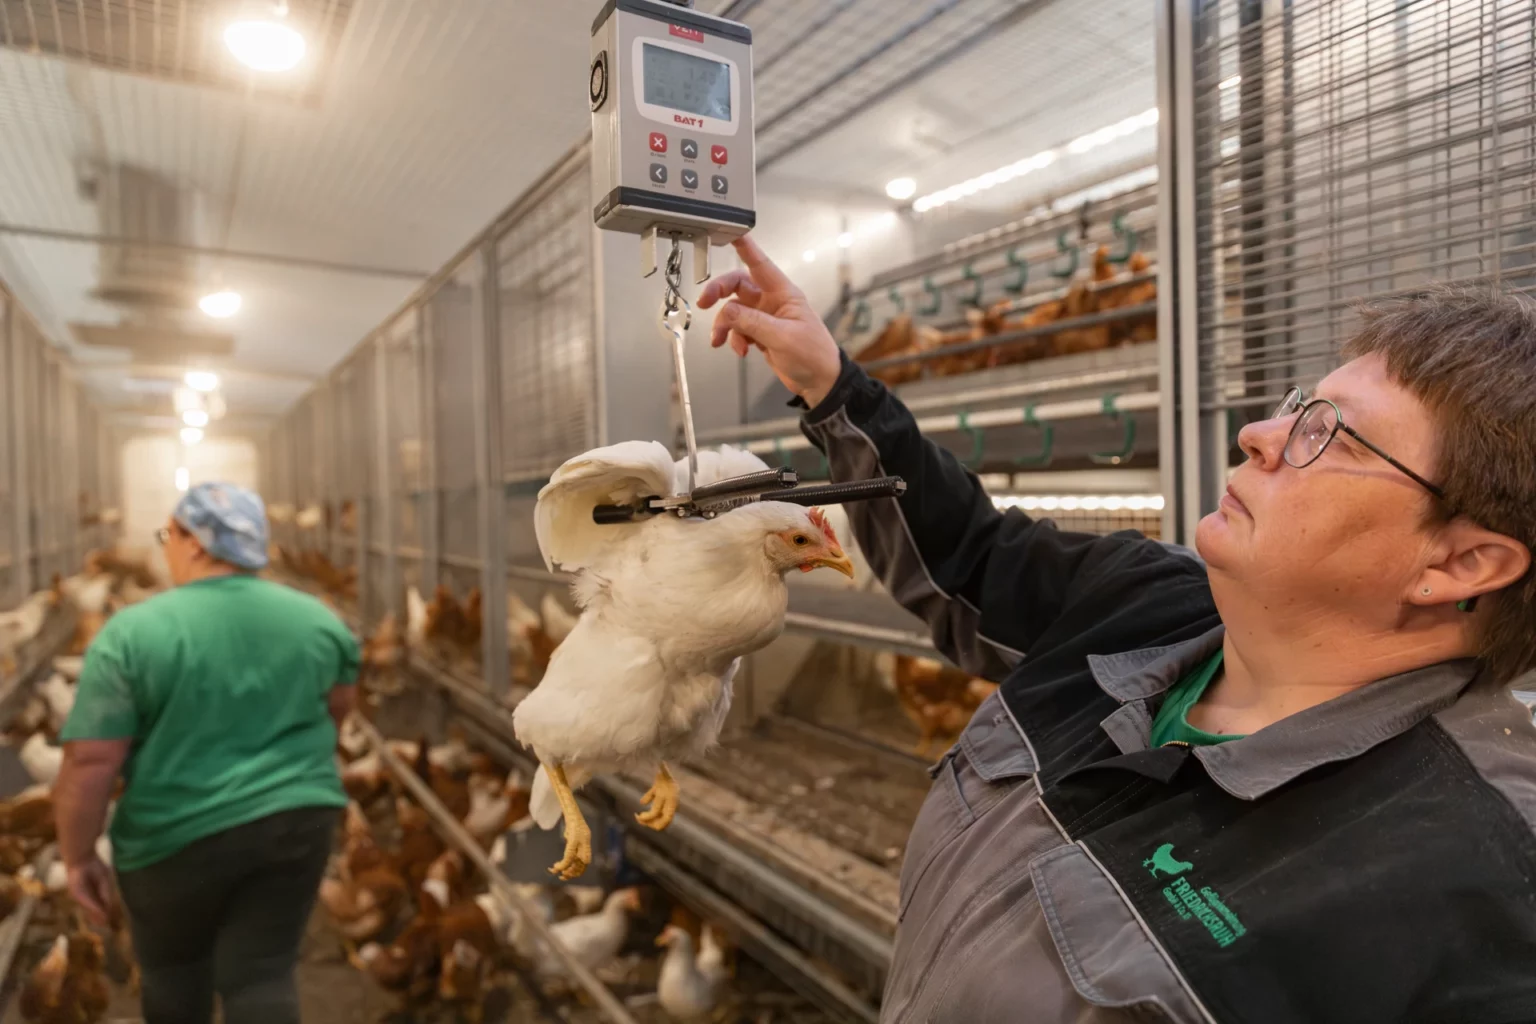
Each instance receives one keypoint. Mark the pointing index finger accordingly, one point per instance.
(764, 271)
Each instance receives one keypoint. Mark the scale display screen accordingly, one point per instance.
(682, 81)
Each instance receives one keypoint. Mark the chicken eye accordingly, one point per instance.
(801, 540)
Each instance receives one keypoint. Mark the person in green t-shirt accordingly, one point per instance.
(218, 702)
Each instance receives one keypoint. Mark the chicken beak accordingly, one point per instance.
(837, 560)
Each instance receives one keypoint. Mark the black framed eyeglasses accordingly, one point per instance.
(1319, 423)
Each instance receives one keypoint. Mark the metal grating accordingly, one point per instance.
(7, 487)
(401, 352)
(548, 359)
(1347, 148)
(818, 64)
(174, 40)
(451, 313)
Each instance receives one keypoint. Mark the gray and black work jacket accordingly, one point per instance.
(1369, 859)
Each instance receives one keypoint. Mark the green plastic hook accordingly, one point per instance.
(935, 298)
(897, 299)
(969, 274)
(861, 317)
(1128, 238)
(1066, 249)
(1016, 284)
(1047, 441)
(1128, 438)
(978, 440)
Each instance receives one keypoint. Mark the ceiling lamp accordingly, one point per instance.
(191, 435)
(266, 44)
(220, 305)
(195, 418)
(202, 380)
(183, 478)
(901, 188)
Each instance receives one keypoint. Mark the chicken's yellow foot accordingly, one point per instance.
(661, 799)
(578, 837)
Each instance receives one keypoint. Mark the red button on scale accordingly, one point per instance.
(719, 155)
(658, 142)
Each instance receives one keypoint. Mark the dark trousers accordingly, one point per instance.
(226, 914)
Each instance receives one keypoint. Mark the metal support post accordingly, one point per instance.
(489, 467)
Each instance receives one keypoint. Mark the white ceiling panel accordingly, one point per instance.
(432, 118)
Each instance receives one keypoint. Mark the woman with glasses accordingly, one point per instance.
(1281, 781)
(218, 702)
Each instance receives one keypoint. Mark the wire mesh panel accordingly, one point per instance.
(451, 313)
(346, 474)
(401, 351)
(42, 440)
(548, 374)
(67, 492)
(1347, 148)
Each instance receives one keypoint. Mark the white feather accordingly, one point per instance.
(620, 474)
(717, 464)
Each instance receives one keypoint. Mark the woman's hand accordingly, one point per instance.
(90, 883)
(768, 311)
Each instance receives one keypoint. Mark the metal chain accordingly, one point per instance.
(674, 280)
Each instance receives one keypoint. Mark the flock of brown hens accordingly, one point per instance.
(1097, 293)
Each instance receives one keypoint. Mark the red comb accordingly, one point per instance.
(820, 519)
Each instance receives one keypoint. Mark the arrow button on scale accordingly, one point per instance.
(658, 174)
(690, 179)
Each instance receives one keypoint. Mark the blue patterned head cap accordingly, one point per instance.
(229, 522)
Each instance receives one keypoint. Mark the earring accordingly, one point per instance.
(1426, 591)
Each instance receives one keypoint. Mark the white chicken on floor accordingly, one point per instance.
(41, 759)
(89, 594)
(593, 939)
(689, 987)
(415, 619)
(669, 607)
(69, 666)
(25, 621)
(59, 694)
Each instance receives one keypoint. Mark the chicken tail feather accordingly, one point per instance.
(543, 805)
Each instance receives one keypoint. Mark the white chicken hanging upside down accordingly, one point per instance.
(669, 606)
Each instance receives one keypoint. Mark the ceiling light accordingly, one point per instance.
(195, 418)
(1109, 133)
(809, 255)
(220, 305)
(191, 435)
(183, 478)
(266, 45)
(901, 188)
(1232, 83)
(1045, 158)
(202, 380)
(845, 240)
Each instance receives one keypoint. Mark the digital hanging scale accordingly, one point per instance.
(672, 131)
(673, 161)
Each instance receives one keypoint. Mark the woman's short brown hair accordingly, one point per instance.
(1470, 357)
